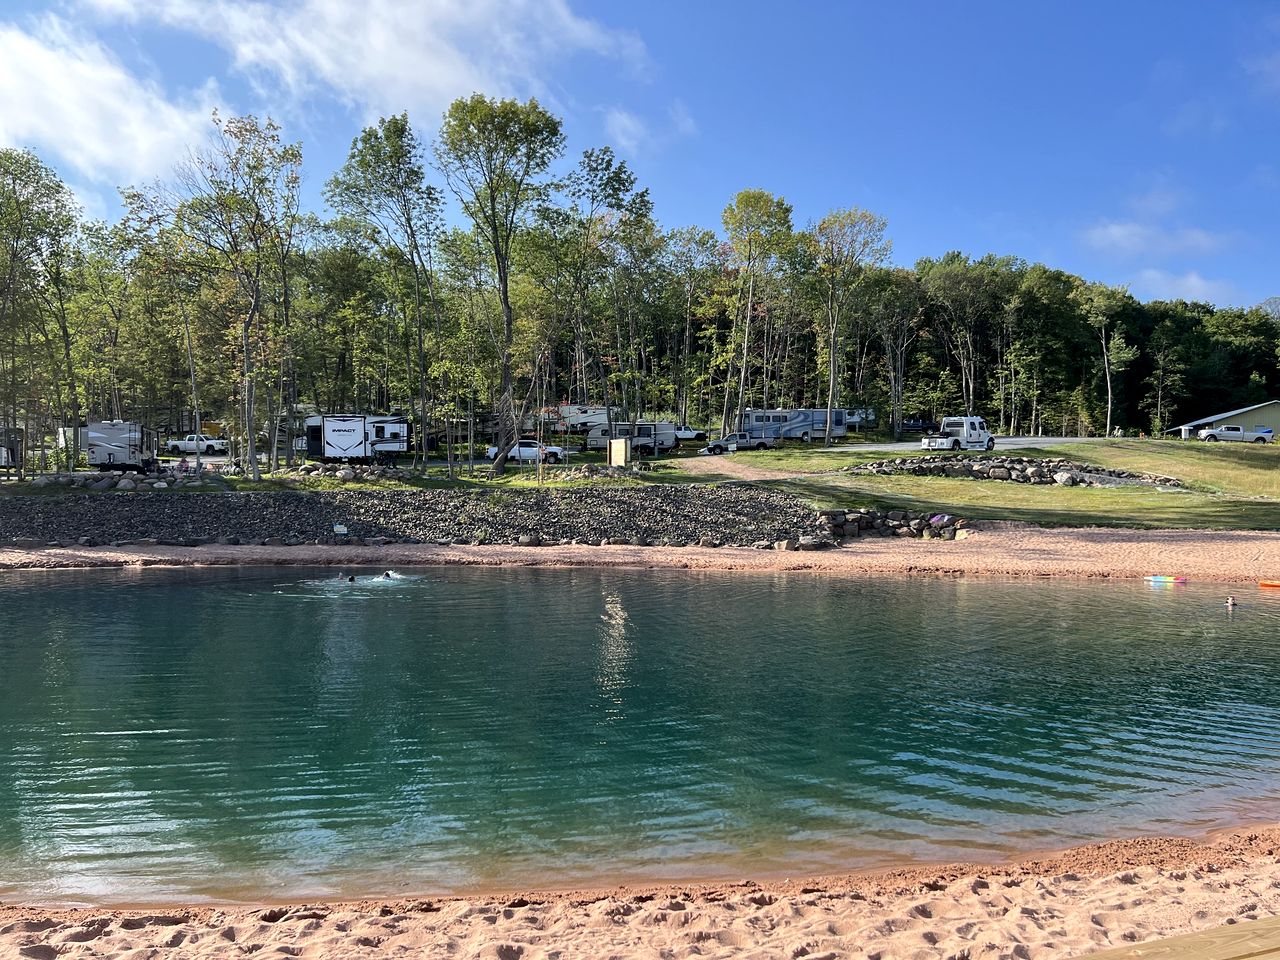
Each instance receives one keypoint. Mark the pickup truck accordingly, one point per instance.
(529, 450)
(197, 443)
(738, 441)
(1239, 434)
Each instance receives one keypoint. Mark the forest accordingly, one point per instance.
(469, 275)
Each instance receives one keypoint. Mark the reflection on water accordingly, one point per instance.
(267, 732)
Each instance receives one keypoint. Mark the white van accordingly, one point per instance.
(960, 433)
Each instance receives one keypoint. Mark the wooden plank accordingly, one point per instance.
(1246, 940)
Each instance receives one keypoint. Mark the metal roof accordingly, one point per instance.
(1222, 416)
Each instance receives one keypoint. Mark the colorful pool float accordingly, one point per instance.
(1269, 583)
(1166, 579)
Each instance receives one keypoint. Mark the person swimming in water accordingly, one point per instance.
(1230, 603)
(387, 575)
(351, 579)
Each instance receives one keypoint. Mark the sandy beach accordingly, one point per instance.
(1064, 905)
(999, 549)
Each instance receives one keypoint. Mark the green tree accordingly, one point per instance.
(492, 153)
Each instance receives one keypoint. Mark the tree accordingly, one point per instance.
(848, 242)
(758, 224)
(893, 301)
(492, 153)
(382, 187)
(1102, 306)
(234, 198)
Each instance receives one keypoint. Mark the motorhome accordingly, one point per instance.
(647, 436)
(121, 445)
(356, 436)
(796, 424)
(960, 433)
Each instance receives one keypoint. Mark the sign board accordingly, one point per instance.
(619, 453)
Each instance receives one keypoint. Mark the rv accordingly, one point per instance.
(647, 436)
(796, 424)
(356, 437)
(570, 418)
(121, 445)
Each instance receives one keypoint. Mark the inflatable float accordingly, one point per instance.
(1166, 579)
(1269, 583)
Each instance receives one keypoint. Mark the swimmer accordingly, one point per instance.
(351, 579)
(1230, 603)
(387, 575)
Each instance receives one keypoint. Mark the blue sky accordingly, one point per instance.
(1135, 143)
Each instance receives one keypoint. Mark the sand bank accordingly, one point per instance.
(1069, 904)
(995, 549)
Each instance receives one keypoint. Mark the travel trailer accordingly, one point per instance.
(797, 424)
(356, 436)
(121, 445)
(570, 418)
(647, 436)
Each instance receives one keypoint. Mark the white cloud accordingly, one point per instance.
(682, 121)
(382, 56)
(626, 130)
(1156, 284)
(1136, 239)
(67, 97)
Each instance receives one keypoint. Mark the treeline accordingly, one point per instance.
(217, 297)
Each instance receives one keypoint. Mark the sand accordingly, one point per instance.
(994, 549)
(1069, 904)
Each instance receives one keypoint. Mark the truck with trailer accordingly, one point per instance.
(960, 433)
(356, 437)
(121, 445)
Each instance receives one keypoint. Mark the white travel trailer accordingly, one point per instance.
(796, 424)
(570, 418)
(355, 436)
(121, 445)
(11, 439)
(647, 436)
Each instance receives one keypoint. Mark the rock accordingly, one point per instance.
(29, 543)
(962, 533)
(1064, 478)
(160, 485)
(998, 473)
(787, 544)
(530, 540)
(346, 475)
(229, 541)
(809, 543)
(126, 484)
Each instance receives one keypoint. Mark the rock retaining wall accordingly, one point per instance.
(1067, 473)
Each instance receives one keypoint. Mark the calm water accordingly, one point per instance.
(251, 733)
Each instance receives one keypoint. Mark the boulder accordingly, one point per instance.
(1065, 478)
(787, 544)
(126, 484)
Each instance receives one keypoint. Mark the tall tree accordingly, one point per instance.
(848, 242)
(758, 224)
(383, 188)
(493, 154)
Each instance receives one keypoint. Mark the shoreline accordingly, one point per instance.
(994, 549)
(1068, 903)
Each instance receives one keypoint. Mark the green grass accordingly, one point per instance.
(1048, 505)
(1241, 469)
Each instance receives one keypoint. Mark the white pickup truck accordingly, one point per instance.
(529, 450)
(197, 443)
(960, 433)
(1239, 434)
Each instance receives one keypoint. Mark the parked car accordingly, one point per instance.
(686, 432)
(1237, 434)
(738, 441)
(197, 443)
(529, 450)
(960, 433)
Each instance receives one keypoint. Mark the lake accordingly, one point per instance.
(260, 733)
